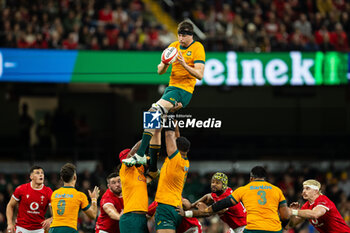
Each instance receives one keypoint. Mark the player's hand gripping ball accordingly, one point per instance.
(169, 55)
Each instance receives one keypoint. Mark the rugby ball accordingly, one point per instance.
(169, 55)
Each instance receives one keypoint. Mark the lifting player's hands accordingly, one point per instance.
(294, 205)
(95, 193)
(181, 59)
(177, 106)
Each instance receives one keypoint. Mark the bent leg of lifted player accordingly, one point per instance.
(162, 106)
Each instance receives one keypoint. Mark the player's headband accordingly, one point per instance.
(185, 32)
(222, 177)
(312, 187)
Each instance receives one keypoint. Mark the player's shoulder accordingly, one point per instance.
(323, 200)
(80, 193)
(47, 189)
(198, 45)
(174, 44)
(306, 205)
(23, 186)
(107, 194)
(242, 188)
(227, 192)
(274, 187)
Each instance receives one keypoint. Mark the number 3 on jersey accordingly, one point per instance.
(262, 200)
(61, 207)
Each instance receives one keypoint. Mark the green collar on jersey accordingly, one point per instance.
(184, 48)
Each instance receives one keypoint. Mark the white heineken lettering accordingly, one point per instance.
(249, 72)
(301, 70)
(252, 73)
(231, 63)
(213, 72)
(275, 72)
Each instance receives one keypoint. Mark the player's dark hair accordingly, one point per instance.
(112, 175)
(258, 172)
(186, 27)
(67, 172)
(183, 144)
(35, 168)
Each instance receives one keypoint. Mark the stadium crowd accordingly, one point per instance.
(336, 185)
(85, 24)
(129, 25)
(269, 25)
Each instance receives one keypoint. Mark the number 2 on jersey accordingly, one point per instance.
(61, 207)
(262, 195)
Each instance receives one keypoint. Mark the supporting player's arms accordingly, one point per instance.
(197, 71)
(162, 68)
(207, 199)
(170, 142)
(170, 138)
(134, 149)
(112, 211)
(9, 215)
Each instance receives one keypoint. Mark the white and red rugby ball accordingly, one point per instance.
(169, 55)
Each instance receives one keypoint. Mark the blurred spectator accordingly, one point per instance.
(324, 6)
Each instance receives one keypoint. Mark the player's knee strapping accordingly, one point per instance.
(158, 107)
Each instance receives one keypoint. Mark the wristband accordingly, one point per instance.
(93, 200)
(189, 214)
(295, 212)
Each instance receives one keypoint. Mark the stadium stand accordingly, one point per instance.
(130, 25)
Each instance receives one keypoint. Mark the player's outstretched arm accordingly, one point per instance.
(162, 68)
(170, 136)
(112, 212)
(211, 210)
(294, 220)
(92, 211)
(9, 215)
(170, 141)
(207, 199)
(315, 213)
(197, 71)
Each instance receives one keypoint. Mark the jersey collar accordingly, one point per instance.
(31, 185)
(184, 48)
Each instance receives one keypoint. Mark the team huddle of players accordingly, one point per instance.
(256, 207)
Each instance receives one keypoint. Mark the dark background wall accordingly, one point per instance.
(257, 122)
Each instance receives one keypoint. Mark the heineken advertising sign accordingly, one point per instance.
(131, 67)
(290, 68)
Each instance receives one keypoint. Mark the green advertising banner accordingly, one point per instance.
(288, 68)
(125, 67)
(128, 67)
(231, 68)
